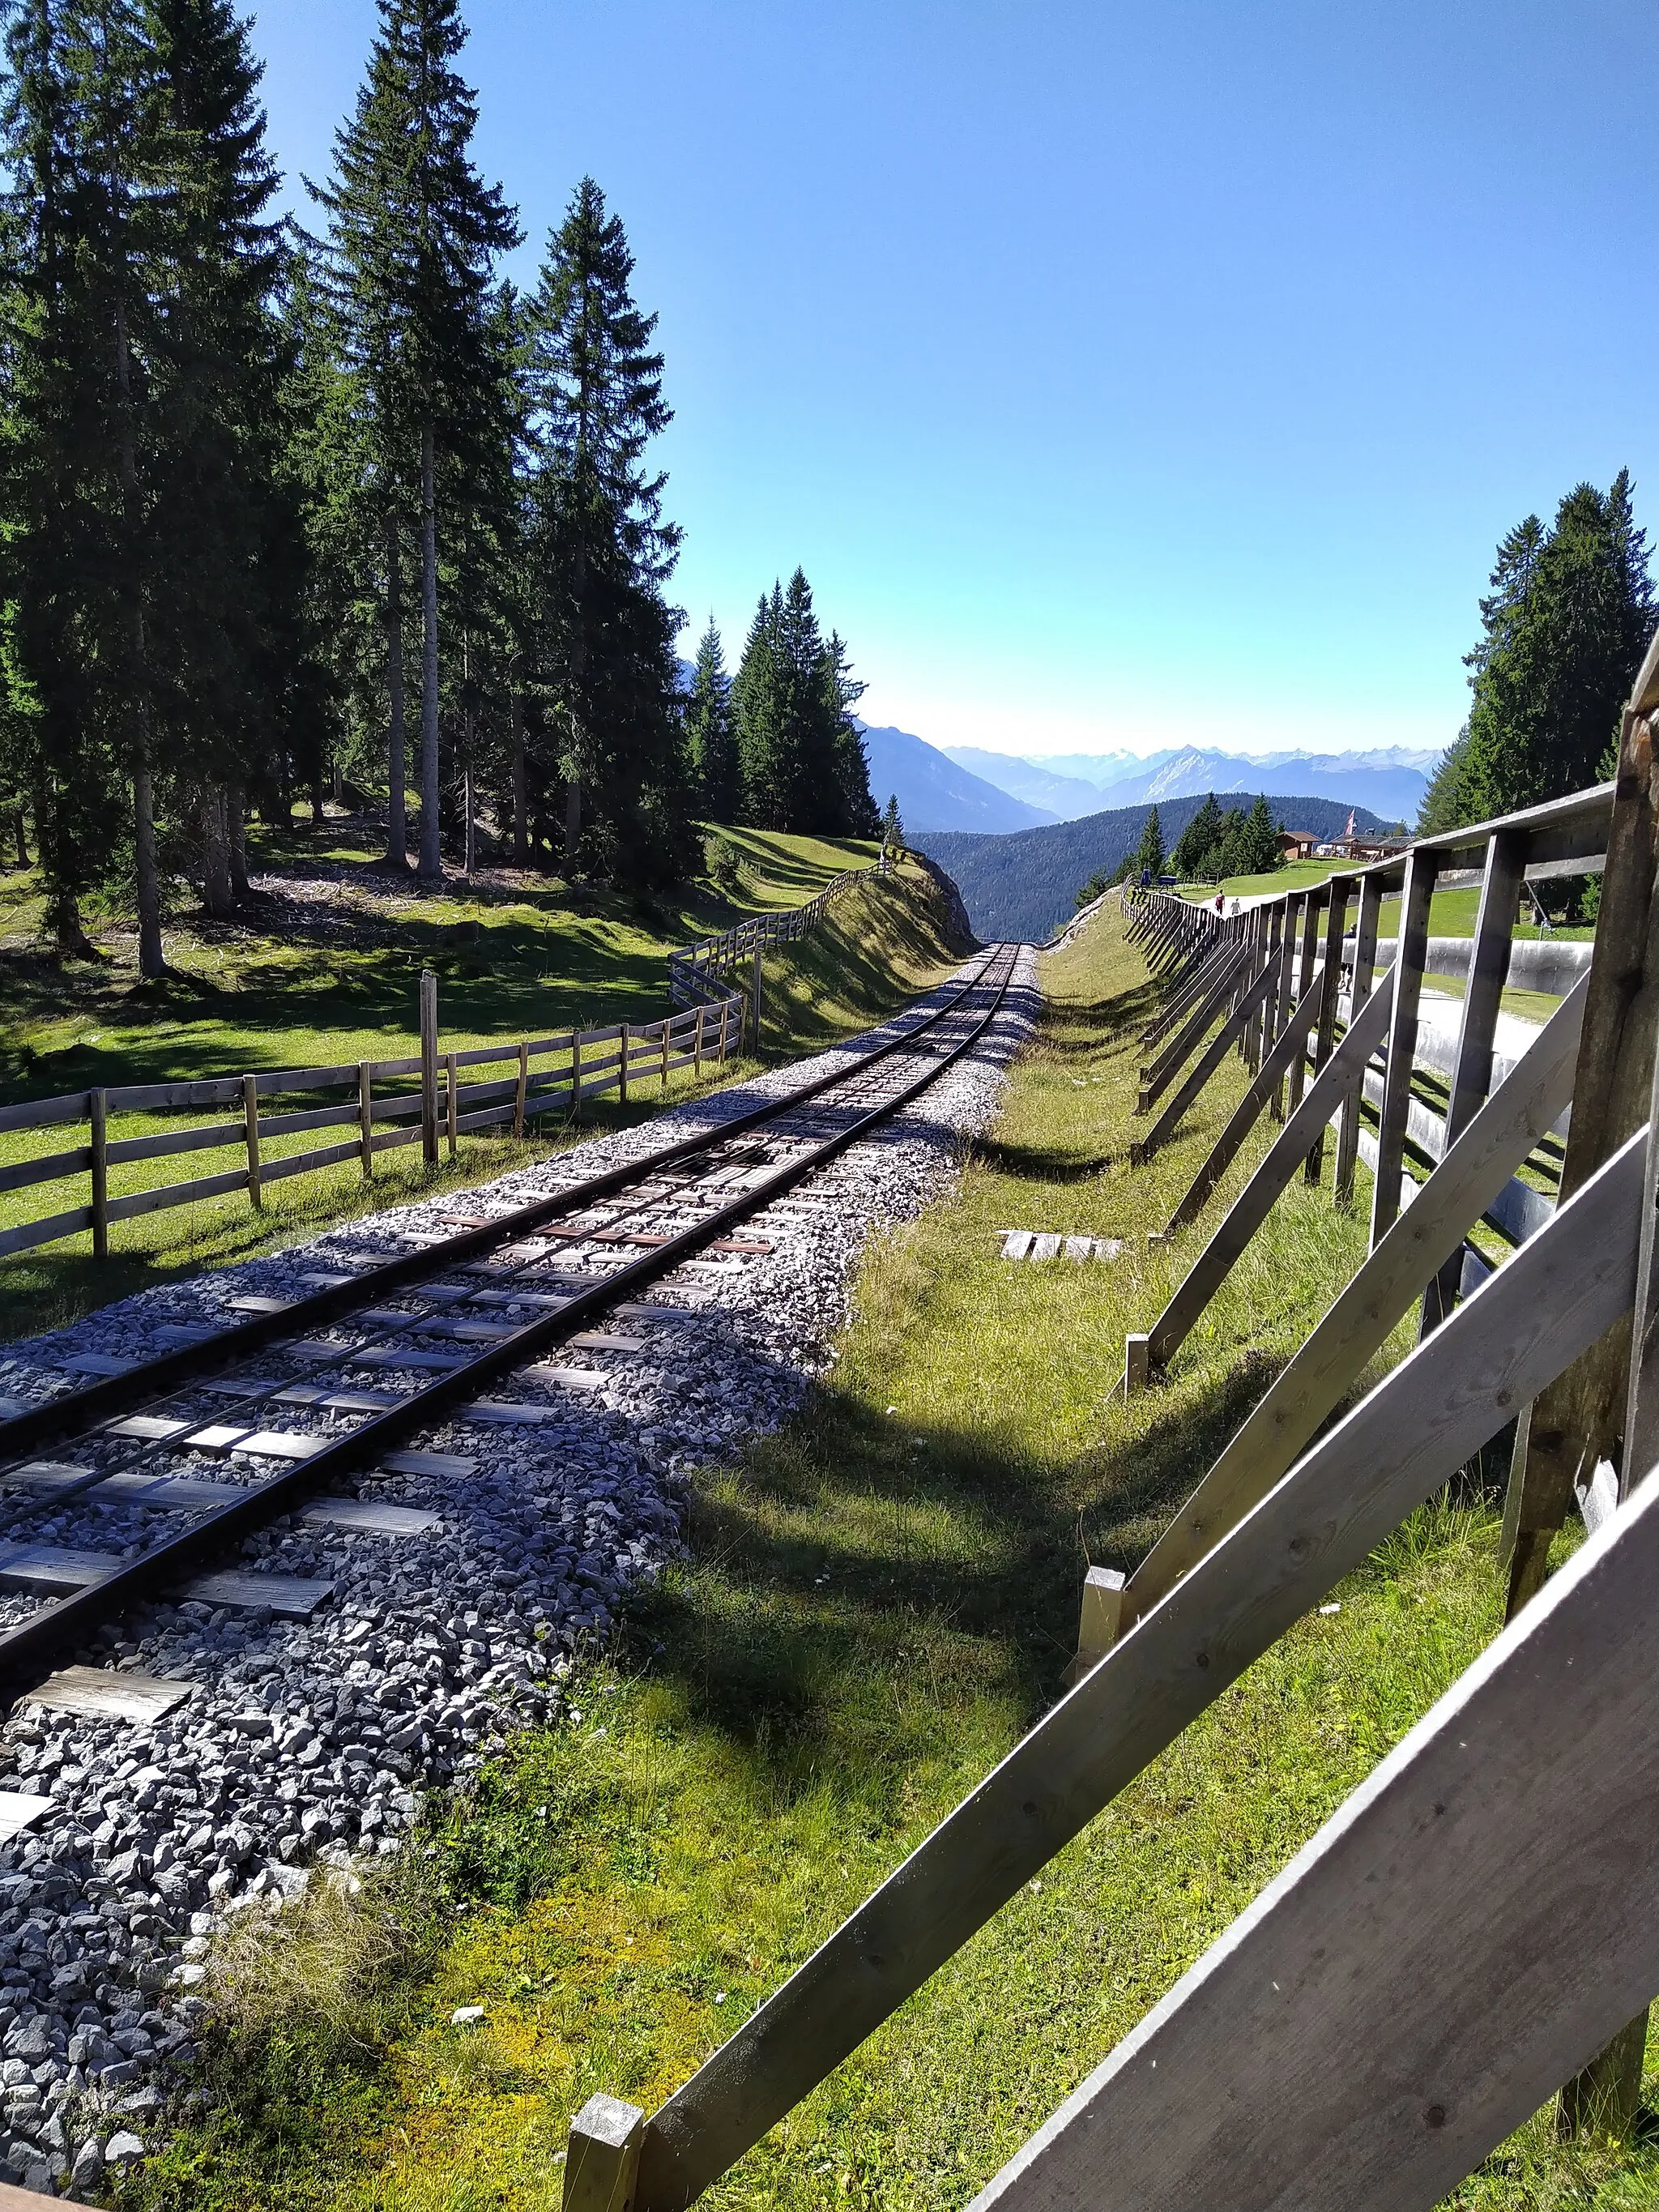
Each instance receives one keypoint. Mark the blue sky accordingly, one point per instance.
(1120, 377)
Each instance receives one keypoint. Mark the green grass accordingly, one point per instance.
(879, 943)
(878, 1602)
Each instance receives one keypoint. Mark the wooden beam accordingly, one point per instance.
(1571, 1427)
(1217, 1050)
(1397, 2002)
(1360, 980)
(1344, 1067)
(1357, 1484)
(1341, 888)
(1155, 1078)
(1489, 966)
(1359, 1320)
(1406, 987)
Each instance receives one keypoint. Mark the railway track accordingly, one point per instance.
(173, 1460)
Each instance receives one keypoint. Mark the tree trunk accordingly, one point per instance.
(471, 836)
(236, 824)
(20, 830)
(572, 823)
(397, 833)
(318, 782)
(216, 894)
(152, 961)
(432, 862)
(520, 824)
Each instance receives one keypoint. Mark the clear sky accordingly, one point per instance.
(1122, 377)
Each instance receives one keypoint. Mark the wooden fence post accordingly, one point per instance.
(1359, 990)
(366, 1115)
(523, 1089)
(622, 1066)
(1410, 951)
(602, 2158)
(697, 1045)
(98, 1115)
(576, 1072)
(250, 1123)
(666, 1026)
(1341, 888)
(429, 1067)
(450, 1115)
(757, 1003)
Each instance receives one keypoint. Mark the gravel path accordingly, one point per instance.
(308, 1740)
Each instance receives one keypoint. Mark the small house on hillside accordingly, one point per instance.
(1297, 844)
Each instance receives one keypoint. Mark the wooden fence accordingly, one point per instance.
(695, 973)
(425, 1098)
(1474, 1924)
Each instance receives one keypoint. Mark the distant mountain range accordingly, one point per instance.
(935, 793)
(1389, 780)
(1024, 885)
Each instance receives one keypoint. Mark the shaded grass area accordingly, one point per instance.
(328, 972)
(875, 1604)
(879, 944)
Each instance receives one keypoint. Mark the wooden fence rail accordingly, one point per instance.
(695, 974)
(547, 1075)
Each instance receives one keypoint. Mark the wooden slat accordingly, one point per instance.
(205, 1137)
(1406, 987)
(1363, 1313)
(28, 1234)
(50, 1167)
(1252, 1205)
(1422, 1420)
(1395, 2004)
(43, 1113)
(158, 1201)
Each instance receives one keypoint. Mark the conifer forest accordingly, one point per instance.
(294, 509)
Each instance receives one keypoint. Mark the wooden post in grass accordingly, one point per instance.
(621, 1066)
(1410, 951)
(1341, 888)
(697, 1069)
(98, 1115)
(1359, 990)
(366, 1115)
(430, 1067)
(602, 2158)
(523, 1089)
(757, 1004)
(250, 1124)
(576, 1072)
(450, 1101)
(666, 1026)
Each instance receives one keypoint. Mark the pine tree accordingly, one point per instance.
(709, 730)
(414, 235)
(604, 552)
(1261, 852)
(892, 828)
(1149, 857)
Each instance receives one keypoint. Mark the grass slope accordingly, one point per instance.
(1024, 884)
(518, 961)
(876, 1603)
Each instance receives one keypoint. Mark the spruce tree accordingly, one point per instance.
(802, 758)
(1196, 839)
(603, 552)
(414, 236)
(709, 730)
(1259, 839)
(1149, 857)
(892, 827)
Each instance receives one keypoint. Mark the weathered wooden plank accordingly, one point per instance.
(1407, 989)
(1362, 975)
(1612, 1095)
(104, 1694)
(19, 1810)
(50, 1167)
(1251, 1207)
(1422, 1420)
(1360, 1318)
(1214, 1053)
(42, 1113)
(28, 1234)
(1339, 888)
(1397, 2002)
(1488, 969)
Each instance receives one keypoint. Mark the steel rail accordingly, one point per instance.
(72, 1621)
(77, 1411)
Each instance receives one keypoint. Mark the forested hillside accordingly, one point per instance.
(344, 518)
(1024, 885)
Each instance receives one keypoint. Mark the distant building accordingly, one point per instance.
(1297, 844)
(1309, 845)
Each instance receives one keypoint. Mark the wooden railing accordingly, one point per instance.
(421, 1098)
(696, 972)
(1546, 1336)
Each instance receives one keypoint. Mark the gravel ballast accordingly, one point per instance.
(308, 1741)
